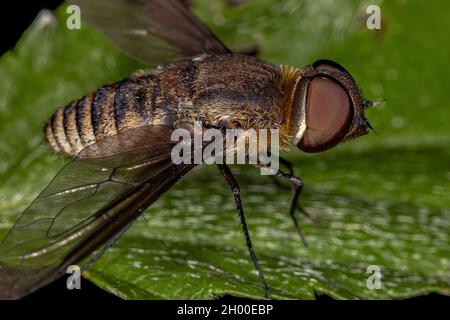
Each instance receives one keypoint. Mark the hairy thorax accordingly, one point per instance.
(219, 90)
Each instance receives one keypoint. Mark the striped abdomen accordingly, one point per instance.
(224, 89)
(110, 109)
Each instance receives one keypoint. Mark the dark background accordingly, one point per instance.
(14, 19)
(16, 16)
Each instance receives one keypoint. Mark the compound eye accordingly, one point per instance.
(329, 113)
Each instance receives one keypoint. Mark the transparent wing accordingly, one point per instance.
(152, 31)
(90, 200)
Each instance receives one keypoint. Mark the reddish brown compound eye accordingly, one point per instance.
(329, 113)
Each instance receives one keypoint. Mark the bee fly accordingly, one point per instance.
(120, 135)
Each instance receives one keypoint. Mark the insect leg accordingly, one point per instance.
(297, 185)
(237, 198)
(290, 167)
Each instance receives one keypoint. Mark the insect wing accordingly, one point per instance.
(90, 200)
(151, 31)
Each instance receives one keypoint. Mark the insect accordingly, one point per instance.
(120, 135)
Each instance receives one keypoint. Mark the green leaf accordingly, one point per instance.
(379, 200)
